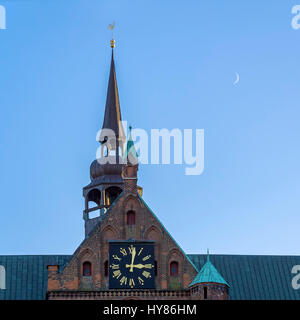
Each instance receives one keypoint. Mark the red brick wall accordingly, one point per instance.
(95, 248)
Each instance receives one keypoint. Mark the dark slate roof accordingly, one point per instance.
(249, 277)
(255, 277)
(112, 115)
(27, 276)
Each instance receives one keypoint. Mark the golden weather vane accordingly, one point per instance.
(112, 41)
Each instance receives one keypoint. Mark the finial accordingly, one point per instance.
(207, 254)
(130, 136)
(112, 41)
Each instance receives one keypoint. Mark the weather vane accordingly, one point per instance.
(112, 41)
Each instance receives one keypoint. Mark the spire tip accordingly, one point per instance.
(112, 41)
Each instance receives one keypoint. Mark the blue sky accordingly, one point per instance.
(176, 63)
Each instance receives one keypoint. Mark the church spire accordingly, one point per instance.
(112, 116)
(106, 171)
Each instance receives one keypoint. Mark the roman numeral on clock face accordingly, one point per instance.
(131, 249)
(146, 274)
(131, 283)
(141, 281)
(123, 251)
(117, 274)
(123, 280)
(116, 257)
(147, 257)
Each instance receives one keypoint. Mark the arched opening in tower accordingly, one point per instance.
(93, 201)
(111, 194)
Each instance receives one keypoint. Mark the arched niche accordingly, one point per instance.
(132, 204)
(109, 233)
(175, 254)
(153, 233)
(86, 259)
(85, 253)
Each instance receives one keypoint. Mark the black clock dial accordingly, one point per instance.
(131, 265)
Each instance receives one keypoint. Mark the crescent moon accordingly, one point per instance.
(237, 79)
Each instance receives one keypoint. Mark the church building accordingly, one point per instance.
(127, 253)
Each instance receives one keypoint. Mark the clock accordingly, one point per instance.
(131, 265)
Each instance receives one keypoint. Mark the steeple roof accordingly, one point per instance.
(112, 116)
(130, 154)
(208, 273)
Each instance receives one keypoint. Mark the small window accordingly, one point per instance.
(155, 268)
(174, 268)
(205, 293)
(106, 268)
(131, 218)
(87, 269)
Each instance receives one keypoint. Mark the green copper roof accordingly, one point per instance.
(255, 277)
(249, 277)
(208, 273)
(131, 155)
(26, 276)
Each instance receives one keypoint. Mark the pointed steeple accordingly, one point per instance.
(130, 156)
(112, 116)
(208, 274)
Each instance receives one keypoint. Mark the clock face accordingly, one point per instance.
(131, 265)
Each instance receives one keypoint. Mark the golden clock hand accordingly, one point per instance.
(132, 259)
(139, 266)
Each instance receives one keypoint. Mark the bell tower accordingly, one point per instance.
(106, 171)
(127, 252)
